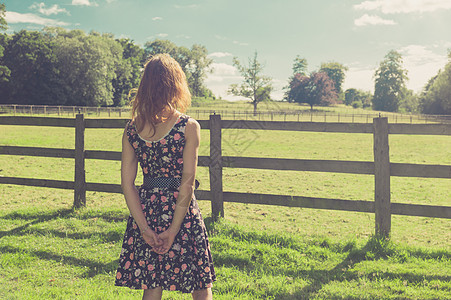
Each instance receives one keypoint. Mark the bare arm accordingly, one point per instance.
(190, 156)
(129, 168)
(186, 190)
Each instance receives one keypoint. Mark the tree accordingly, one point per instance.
(390, 83)
(128, 72)
(3, 24)
(199, 65)
(318, 89)
(33, 77)
(255, 86)
(299, 66)
(4, 71)
(87, 64)
(354, 95)
(336, 72)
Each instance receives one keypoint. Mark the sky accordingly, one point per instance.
(355, 33)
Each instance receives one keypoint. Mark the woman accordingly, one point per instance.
(165, 245)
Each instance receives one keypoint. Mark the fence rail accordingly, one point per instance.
(381, 168)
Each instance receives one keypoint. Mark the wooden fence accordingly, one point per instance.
(381, 168)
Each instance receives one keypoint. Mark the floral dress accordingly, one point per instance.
(188, 265)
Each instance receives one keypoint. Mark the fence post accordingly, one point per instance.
(381, 177)
(79, 182)
(215, 168)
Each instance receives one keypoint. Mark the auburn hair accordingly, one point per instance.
(163, 87)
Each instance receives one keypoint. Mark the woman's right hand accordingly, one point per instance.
(151, 238)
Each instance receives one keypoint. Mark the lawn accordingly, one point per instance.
(48, 250)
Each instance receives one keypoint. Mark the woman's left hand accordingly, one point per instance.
(167, 237)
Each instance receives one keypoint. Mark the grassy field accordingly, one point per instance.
(50, 251)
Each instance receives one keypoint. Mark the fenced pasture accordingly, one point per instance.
(381, 167)
(275, 252)
(268, 111)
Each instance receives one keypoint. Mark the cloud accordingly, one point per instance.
(241, 44)
(84, 2)
(219, 54)
(157, 18)
(404, 6)
(361, 77)
(422, 63)
(222, 69)
(14, 17)
(162, 35)
(52, 10)
(372, 20)
(183, 36)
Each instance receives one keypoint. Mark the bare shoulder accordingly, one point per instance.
(192, 126)
(192, 130)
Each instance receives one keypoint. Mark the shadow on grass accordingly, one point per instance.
(376, 248)
(93, 267)
(65, 213)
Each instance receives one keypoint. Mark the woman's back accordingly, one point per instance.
(161, 156)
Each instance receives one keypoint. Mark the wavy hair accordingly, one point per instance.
(163, 87)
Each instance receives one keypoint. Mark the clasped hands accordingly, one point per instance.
(160, 243)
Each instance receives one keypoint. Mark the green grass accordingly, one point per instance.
(48, 250)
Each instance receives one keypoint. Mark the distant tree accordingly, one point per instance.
(350, 95)
(436, 96)
(3, 24)
(410, 103)
(88, 65)
(318, 89)
(390, 83)
(128, 72)
(33, 78)
(4, 71)
(255, 86)
(354, 95)
(336, 72)
(299, 66)
(199, 65)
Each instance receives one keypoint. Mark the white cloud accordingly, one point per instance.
(221, 77)
(183, 36)
(14, 17)
(157, 18)
(360, 78)
(404, 6)
(162, 35)
(422, 63)
(241, 44)
(84, 2)
(372, 20)
(52, 10)
(219, 54)
(221, 69)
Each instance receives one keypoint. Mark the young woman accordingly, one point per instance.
(165, 245)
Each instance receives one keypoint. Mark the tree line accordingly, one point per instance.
(324, 86)
(56, 66)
